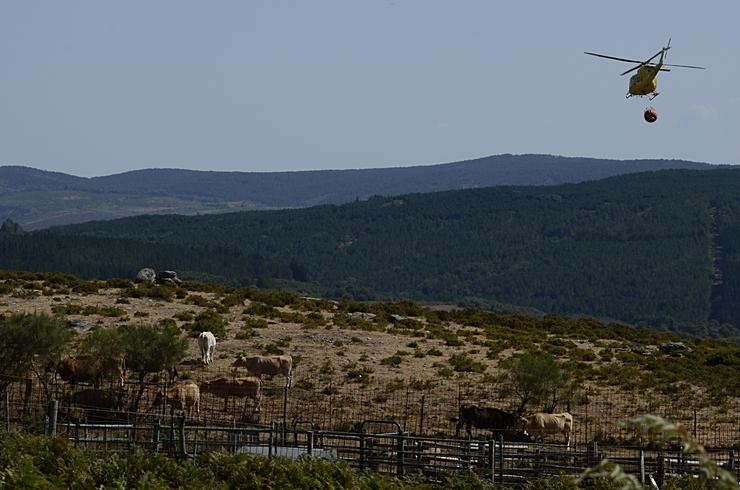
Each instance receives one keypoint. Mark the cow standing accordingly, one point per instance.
(499, 422)
(244, 387)
(267, 365)
(207, 345)
(85, 369)
(538, 425)
(183, 395)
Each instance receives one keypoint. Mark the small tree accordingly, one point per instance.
(32, 343)
(536, 379)
(151, 350)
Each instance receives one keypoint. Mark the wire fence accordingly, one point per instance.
(421, 409)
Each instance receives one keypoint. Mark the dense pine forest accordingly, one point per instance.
(658, 248)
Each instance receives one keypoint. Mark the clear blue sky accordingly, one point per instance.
(100, 87)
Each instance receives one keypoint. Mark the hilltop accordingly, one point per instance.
(40, 199)
(657, 248)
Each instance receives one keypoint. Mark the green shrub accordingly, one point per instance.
(209, 321)
(464, 364)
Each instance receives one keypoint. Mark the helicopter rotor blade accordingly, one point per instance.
(643, 63)
(686, 66)
(612, 57)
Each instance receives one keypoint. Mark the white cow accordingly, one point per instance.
(207, 344)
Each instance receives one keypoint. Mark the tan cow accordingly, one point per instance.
(183, 395)
(267, 365)
(242, 387)
(540, 424)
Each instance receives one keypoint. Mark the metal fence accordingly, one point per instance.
(383, 446)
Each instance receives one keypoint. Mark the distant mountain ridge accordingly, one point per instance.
(38, 199)
(656, 248)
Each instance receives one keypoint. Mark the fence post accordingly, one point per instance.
(7, 410)
(285, 414)
(27, 397)
(362, 451)
(181, 427)
(492, 458)
(270, 440)
(661, 469)
(309, 447)
(421, 416)
(401, 455)
(592, 453)
(77, 433)
(155, 436)
(501, 458)
(731, 461)
(695, 423)
(53, 410)
(642, 466)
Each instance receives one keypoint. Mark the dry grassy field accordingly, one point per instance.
(353, 365)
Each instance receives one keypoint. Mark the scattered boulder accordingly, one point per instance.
(168, 277)
(146, 275)
(362, 315)
(675, 348)
(80, 326)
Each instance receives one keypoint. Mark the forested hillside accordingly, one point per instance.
(660, 248)
(38, 199)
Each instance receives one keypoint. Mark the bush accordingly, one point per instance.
(209, 321)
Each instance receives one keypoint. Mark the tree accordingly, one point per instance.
(536, 379)
(31, 342)
(151, 350)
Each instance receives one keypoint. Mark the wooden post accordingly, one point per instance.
(592, 453)
(27, 397)
(401, 456)
(695, 423)
(77, 433)
(642, 466)
(501, 458)
(155, 436)
(53, 410)
(7, 410)
(181, 426)
(285, 415)
(421, 416)
(492, 458)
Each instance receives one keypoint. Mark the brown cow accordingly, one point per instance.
(97, 404)
(183, 395)
(243, 387)
(86, 369)
(500, 423)
(540, 424)
(269, 365)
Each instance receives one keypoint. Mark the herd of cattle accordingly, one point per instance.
(181, 395)
(185, 395)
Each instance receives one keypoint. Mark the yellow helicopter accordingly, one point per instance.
(645, 81)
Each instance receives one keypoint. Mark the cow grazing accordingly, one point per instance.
(540, 424)
(85, 369)
(206, 344)
(267, 365)
(243, 387)
(183, 395)
(97, 404)
(499, 422)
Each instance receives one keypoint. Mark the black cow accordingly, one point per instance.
(499, 422)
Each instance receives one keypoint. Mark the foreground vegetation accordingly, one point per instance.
(42, 462)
